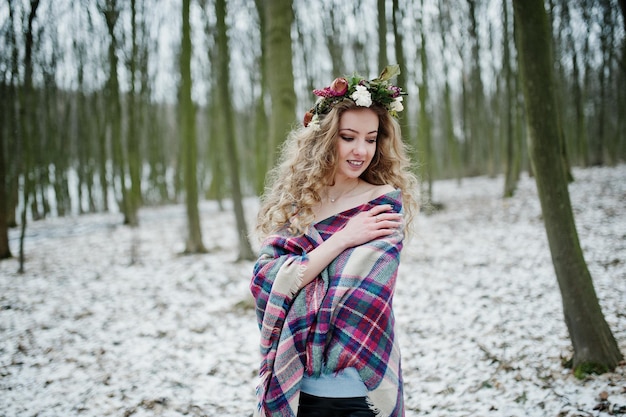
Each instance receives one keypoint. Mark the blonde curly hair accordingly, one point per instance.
(308, 162)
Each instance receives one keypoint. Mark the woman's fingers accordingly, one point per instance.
(383, 217)
(380, 209)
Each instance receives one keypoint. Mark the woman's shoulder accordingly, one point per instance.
(379, 190)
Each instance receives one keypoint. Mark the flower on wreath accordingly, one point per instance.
(308, 116)
(363, 92)
(311, 120)
(362, 96)
(396, 105)
(315, 122)
(338, 88)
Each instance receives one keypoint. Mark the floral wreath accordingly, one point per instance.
(362, 92)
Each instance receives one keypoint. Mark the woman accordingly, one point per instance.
(332, 223)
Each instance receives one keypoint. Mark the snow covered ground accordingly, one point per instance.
(112, 321)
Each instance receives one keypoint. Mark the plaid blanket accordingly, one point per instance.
(342, 319)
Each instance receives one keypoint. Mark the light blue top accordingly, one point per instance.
(343, 384)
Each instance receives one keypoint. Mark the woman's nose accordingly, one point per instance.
(359, 147)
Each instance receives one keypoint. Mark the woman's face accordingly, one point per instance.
(356, 142)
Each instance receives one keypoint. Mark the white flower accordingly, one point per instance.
(361, 96)
(396, 104)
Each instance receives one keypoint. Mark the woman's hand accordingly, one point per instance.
(366, 226)
(375, 223)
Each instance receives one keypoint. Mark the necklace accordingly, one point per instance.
(332, 200)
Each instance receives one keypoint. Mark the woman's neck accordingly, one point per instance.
(342, 189)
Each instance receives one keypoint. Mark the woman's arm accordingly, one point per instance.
(366, 226)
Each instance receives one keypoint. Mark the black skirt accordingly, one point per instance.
(312, 406)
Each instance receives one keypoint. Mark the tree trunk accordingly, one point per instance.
(111, 14)
(261, 125)
(85, 137)
(559, 78)
(427, 160)
(134, 126)
(383, 61)
(245, 250)
(332, 22)
(580, 125)
(58, 117)
(595, 348)
(278, 18)
(217, 188)
(452, 156)
(13, 145)
(188, 134)
(512, 149)
(27, 120)
(478, 152)
(7, 131)
(5, 250)
(407, 132)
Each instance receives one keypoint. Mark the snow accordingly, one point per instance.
(109, 320)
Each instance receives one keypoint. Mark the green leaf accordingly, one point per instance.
(389, 72)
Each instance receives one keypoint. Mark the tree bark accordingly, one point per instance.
(513, 151)
(261, 124)
(595, 348)
(383, 61)
(8, 129)
(27, 119)
(452, 156)
(424, 140)
(245, 250)
(111, 14)
(188, 134)
(478, 151)
(5, 250)
(407, 132)
(332, 21)
(278, 18)
(134, 125)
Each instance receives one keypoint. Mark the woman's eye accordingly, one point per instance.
(347, 138)
(371, 140)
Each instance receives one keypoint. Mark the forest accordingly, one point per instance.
(110, 106)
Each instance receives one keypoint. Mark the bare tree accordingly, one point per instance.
(280, 82)
(134, 121)
(513, 151)
(595, 348)
(5, 250)
(230, 136)
(188, 135)
(424, 137)
(397, 18)
(111, 12)
(477, 122)
(383, 60)
(27, 119)
(451, 147)
(261, 122)
(8, 131)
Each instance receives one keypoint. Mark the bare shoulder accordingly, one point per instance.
(378, 190)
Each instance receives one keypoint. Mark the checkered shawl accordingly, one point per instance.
(342, 319)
